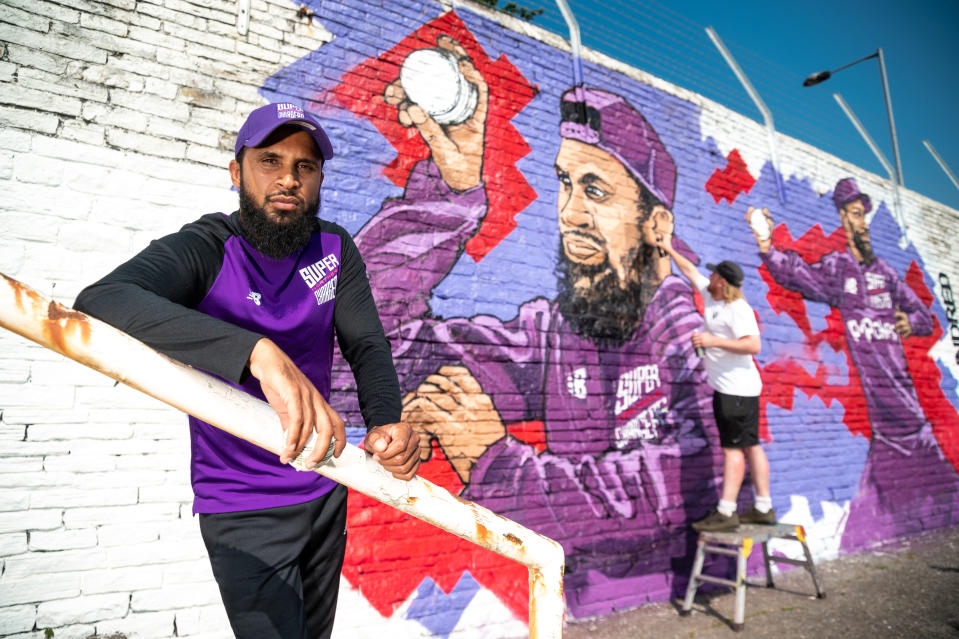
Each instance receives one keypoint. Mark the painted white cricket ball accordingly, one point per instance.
(760, 225)
(431, 78)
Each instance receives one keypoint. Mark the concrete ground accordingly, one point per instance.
(910, 590)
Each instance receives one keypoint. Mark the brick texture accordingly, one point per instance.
(117, 121)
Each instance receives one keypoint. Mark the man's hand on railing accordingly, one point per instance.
(299, 405)
(396, 447)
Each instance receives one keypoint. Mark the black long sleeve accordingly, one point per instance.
(153, 297)
(363, 343)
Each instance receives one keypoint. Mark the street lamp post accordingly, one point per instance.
(896, 177)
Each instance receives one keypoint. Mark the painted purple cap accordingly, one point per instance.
(267, 119)
(847, 191)
(607, 121)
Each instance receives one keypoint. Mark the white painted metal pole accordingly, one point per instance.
(242, 16)
(865, 136)
(575, 45)
(897, 202)
(113, 353)
(891, 120)
(760, 104)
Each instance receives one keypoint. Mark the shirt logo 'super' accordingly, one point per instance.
(879, 297)
(640, 406)
(875, 281)
(321, 277)
(635, 383)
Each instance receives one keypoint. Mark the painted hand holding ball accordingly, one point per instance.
(441, 93)
(431, 78)
(760, 224)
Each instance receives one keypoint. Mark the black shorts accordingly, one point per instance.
(279, 568)
(738, 420)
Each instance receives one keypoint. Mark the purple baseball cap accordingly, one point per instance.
(847, 191)
(267, 119)
(607, 121)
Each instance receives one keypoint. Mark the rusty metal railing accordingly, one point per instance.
(113, 353)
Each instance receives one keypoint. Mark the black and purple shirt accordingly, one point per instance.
(205, 296)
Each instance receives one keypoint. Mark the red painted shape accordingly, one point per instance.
(390, 553)
(728, 183)
(782, 377)
(508, 192)
(531, 432)
(915, 280)
(927, 377)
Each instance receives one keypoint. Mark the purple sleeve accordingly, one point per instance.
(563, 498)
(819, 282)
(630, 496)
(409, 247)
(621, 497)
(413, 242)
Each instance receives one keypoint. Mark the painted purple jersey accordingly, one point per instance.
(628, 459)
(868, 297)
(904, 457)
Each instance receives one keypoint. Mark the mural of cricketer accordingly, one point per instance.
(878, 310)
(607, 366)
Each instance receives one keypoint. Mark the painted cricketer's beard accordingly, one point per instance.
(605, 313)
(276, 240)
(864, 245)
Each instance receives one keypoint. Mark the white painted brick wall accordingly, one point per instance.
(125, 580)
(38, 588)
(153, 625)
(18, 618)
(202, 619)
(45, 541)
(117, 119)
(84, 609)
(79, 631)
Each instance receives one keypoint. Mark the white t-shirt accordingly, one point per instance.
(728, 372)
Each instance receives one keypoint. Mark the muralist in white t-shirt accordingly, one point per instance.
(727, 372)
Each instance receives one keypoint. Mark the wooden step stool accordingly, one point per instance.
(739, 543)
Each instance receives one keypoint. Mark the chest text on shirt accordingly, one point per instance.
(871, 330)
(321, 277)
(643, 418)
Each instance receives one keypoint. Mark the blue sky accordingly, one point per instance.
(779, 43)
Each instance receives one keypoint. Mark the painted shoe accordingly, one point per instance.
(717, 522)
(753, 516)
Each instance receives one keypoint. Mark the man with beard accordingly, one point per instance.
(607, 367)
(878, 310)
(256, 298)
